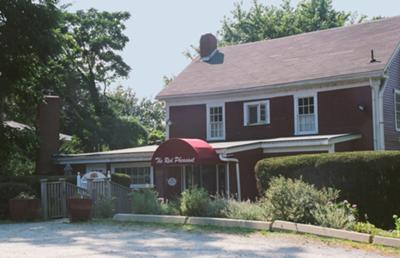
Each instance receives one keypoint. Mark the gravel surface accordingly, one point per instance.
(61, 239)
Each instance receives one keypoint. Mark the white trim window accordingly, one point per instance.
(142, 176)
(215, 122)
(256, 113)
(306, 115)
(397, 109)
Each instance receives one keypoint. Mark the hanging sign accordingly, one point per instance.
(174, 160)
(171, 181)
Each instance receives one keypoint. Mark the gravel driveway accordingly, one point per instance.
(61, 239)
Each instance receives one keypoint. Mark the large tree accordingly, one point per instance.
(28, 41)
(267, 22)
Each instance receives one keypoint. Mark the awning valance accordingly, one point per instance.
(180, 151)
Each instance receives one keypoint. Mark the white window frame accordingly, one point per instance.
(213, 105)
(99, 167)
(246, 105)
(396, 91)
(136, 165)
(296, 112)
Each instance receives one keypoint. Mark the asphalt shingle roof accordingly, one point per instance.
(302, 57)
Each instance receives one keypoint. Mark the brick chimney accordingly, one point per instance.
(208, 43)
(48, 128)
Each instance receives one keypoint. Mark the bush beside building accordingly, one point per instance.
(369, 179)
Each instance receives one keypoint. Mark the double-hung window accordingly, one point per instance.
(397, 108)
(306, 121)
(215, 122)
(256, 113)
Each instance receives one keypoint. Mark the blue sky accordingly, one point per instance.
(161, 30)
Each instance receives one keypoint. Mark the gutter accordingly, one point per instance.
(222, 157)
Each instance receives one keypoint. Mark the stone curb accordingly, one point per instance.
(322, 231)
(387, 241)
(261, 225)
(149, 218)
(222, 222)
(251, 224)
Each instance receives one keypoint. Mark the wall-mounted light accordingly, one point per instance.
(361, 108)
(169, 122)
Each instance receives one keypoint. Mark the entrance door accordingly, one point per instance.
(172, 181)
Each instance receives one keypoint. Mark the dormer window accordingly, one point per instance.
(256, 113)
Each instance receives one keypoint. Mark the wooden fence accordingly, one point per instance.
(55, 196)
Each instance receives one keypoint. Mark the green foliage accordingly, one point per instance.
(244, 210)
(25, 196)
(122, 179)
(335, 215)
(34, 181)
(294, 200)
(104, 207)
(9, 191)
(365, 227)
(170, 208)
(369, 179)
(397, 223)
(216, 207)
(194, 202)
(267, 22)
(145, 201)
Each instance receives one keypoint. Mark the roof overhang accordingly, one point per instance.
(314, 143)
(196, 151)
(263, 88)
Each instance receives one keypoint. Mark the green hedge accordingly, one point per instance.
(122, 179)
(369, 179)
(8, 191)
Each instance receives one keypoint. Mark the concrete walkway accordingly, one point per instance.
(60, 239)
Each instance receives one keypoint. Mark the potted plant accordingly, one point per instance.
(80, 208)
(24, 207)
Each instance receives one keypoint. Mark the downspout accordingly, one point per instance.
(377, 113)
(381, 115)
(222, 157)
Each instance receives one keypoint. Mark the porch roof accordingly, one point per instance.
(275, 145)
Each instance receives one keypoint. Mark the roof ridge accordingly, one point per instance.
(312, 32)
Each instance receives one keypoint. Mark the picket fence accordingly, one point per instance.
(55, 196)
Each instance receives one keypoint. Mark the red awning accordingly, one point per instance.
(179, 151)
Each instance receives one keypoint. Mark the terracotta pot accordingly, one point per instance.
(79, 209)
(24, 209)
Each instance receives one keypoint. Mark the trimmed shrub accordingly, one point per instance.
(9, 191)
(335, 215)
(122, 179)
(216, 207)
(145, 201)
(194, 202)
(369, 179)
(294, 200)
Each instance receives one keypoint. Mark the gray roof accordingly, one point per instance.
(299, 58)
(144, 153)
(20, 127)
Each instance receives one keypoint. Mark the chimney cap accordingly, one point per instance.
(208, 44)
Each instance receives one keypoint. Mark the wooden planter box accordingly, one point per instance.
(79, 209)
(24, 209)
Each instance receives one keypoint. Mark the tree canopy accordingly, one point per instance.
(267, 22)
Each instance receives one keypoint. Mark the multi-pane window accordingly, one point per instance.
(139, 175)
(306, 115)
(256, 113)
(397, 108)
(216, 122)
